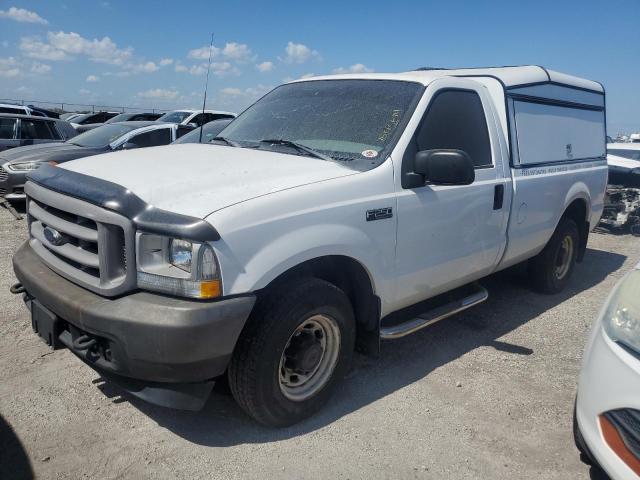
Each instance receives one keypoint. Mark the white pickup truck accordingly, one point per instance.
(334, 212)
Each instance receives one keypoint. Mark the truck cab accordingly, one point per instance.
(333, 213)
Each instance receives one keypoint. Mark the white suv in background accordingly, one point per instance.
(195, 117)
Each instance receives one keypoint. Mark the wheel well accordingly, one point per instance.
(352, 278)
(577, 211)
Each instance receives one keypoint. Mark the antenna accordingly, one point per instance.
(206, 86)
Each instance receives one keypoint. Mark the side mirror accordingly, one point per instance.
(445, 167)
(192, 125)
(130, 146)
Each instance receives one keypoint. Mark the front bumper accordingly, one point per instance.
(141, 337)
(609, 382)
(12, 183)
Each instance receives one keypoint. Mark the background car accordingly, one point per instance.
(122, 117)
(607, 413)
(195, 118)
(94, 117)
(69, 115)
(20, 130)
(16, 163)
(209, 132)
(624, 164)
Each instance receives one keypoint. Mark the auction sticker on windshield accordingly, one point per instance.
(369, 153)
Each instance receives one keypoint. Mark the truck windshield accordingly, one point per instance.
(102, 136)
(351, 121)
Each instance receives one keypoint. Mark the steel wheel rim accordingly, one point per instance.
(563, 257)
(300, 375)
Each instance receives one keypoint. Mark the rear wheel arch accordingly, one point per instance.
(578, 211)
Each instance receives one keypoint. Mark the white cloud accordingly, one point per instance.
(159, 93)
(166, 61)
(181, 68)
(22, 15)
(93, 78)
(9, 67)
(355, 68)
(146, 67)
(265, 66)
(239, 52)
(34, 48)
(219, 69)
(84, 91)
(40, 68)
(248, 94)
(102, 50)
(202, 53)
(62, 46)
(308, 75)
(298, 53)
(232, 92)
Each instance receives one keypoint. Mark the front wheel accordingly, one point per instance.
(551, 269)
(296, 346)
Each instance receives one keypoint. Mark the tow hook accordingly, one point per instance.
(17, 289)
(84, 342)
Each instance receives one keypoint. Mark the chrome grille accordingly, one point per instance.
(87, 244)
(3, 174)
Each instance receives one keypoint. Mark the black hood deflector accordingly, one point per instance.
(114, 197)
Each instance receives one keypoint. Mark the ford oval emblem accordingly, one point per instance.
(54, 237)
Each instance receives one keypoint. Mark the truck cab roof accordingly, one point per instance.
(512, 76)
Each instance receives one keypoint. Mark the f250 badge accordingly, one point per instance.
(379, 214)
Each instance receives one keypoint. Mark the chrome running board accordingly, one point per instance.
(435, 315)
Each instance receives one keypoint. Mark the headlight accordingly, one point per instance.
(622, 315)
(177, 267)
(24, 166)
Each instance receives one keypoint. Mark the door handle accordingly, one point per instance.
(498, 196)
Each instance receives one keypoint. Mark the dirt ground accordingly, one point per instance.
(485, 394)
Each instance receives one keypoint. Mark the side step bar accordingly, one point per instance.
(432, 316)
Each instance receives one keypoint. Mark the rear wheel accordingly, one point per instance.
(551, 269)
(295, 348)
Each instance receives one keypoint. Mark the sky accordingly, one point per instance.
(153, 54)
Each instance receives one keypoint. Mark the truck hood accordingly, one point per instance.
(45, 152)
(198, 179)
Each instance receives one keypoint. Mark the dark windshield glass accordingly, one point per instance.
(630, 154)
(174, 117)
(354, 121)
(211, 130)
(101, 136)
(122, 117)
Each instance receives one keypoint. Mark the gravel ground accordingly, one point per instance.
(485, 394)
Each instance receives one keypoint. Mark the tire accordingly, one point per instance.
(281, 339)
(551, 269)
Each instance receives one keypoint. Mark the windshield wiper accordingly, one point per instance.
(226, 140)
(298, 146)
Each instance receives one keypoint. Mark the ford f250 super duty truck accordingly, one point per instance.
(334, 212)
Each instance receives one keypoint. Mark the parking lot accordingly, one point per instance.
(486, 394)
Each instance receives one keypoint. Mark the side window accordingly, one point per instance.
(35, 130)
(455, 120)
(218, 116)
(7, 128)
(55, 134)
(161, 136)
(19, 111)
(198, 119)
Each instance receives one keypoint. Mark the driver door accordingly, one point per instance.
(451, 235)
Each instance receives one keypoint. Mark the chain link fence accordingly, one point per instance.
(65, 107)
